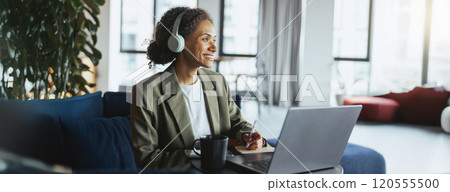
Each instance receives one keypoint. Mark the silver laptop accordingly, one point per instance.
(311, 139)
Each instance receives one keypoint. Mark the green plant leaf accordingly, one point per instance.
(77, 4)
(100, 2)
(51, 31)
(92, 28)
(10, 50)
(38, 35)
(84, 67)
(81, 38)
(71, 8)
(91, 56)
(79, 80)
(92, 6)
(95, 51)
(84, 88)
(80, 20)
(93, 16)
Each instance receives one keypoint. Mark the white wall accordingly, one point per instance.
(316, 46)
(103, 46)
(114, 47)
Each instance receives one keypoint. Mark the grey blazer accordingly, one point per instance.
(160, 123)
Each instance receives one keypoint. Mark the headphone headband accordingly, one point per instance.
(176, 25)
(176, 42)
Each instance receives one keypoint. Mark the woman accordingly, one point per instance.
(174, 107)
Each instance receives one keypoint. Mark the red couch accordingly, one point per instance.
(418, 106)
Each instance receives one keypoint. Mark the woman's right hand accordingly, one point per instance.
(256, 142)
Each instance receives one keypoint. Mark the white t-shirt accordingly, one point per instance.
(195, 102)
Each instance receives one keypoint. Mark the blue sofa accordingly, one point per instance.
(91, 134)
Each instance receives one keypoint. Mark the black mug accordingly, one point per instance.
(213, 151)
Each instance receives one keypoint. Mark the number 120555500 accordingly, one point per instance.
(405, 183)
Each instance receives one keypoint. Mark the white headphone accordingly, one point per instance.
(176, 42)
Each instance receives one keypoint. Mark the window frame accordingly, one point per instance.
(369, 40)
(121, 22)
(221, 53)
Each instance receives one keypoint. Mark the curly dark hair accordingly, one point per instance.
(158, 51)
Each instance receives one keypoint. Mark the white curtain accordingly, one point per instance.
(279, 49)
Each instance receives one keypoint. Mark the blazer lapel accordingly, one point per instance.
(212, 106)
(177, 105)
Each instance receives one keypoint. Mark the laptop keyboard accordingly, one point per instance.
(262, 165)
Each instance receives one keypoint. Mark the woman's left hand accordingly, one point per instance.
(256, 142)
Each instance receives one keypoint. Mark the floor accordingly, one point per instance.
(406, 148)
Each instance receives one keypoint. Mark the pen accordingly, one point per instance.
(251, 133)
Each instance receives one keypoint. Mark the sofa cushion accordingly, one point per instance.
(421, 105)
(362, 160)
(115, 104)
(31, 128)
(374, 108)
(98, 143)
(29, 134)
(78, 107)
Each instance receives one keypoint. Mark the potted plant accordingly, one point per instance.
(45, 46)
(344, 85)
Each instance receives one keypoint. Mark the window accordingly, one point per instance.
(138, 19)
(396, 63)
(439, 52)
(238, 38)
(128, 62)
(161, 6)
(351, 47)
(136, 25)
(399, 56)
(351, 37)
(239, 28)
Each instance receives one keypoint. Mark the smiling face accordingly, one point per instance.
(201, 43)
